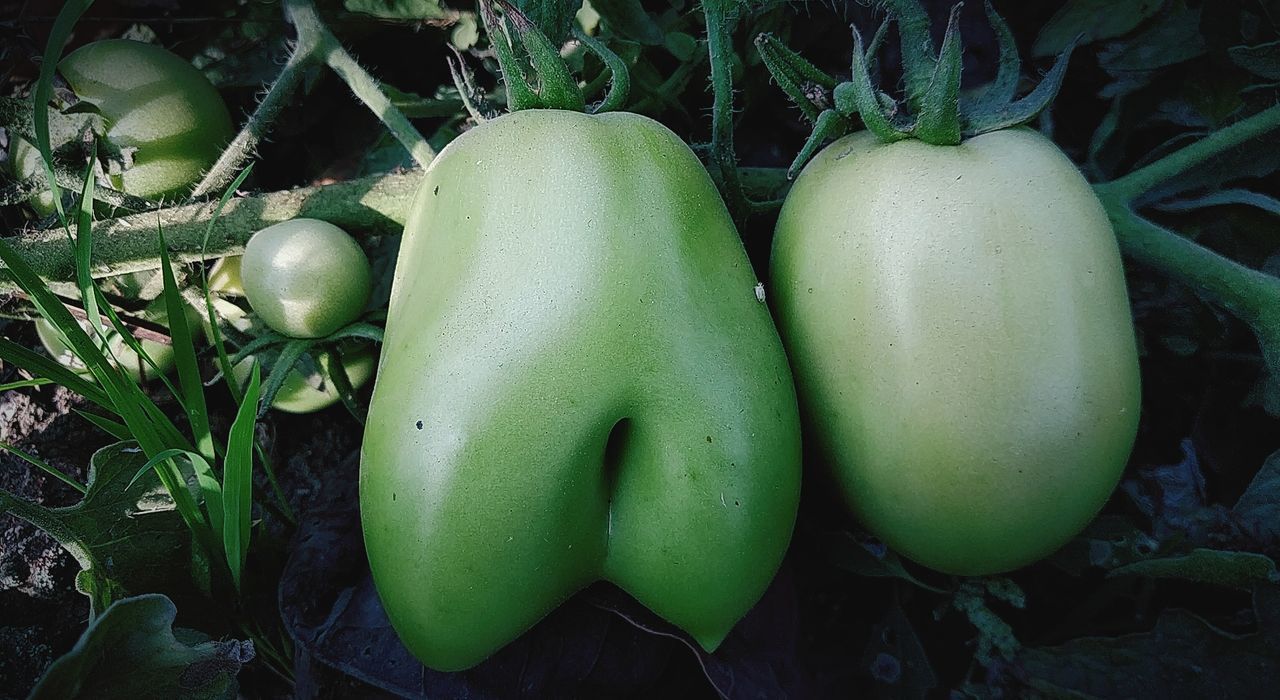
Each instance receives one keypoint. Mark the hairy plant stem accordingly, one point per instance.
(374, 205)
(367, 206)
(724, 165)
(245, 144)
(315, 44)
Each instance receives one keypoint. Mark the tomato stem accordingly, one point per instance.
(724, 165)
(1133, 186)
(1251, 295)
(315, 44)
(234, 156)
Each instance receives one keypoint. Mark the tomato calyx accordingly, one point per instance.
(533, 72)
(931, 109)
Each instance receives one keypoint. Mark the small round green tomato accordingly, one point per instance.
(958, 325)
(309, 393)
(305, 278)
(155, 105)
(113, 347)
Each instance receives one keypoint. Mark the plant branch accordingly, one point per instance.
(1144, 179)
(315, 44)
(245, 144)
(372, 205)
(1249, 294)
(723, 160)
(313, 32)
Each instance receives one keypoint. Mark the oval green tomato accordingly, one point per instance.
(958, 325)
(308, 393)
(305, 278)
(155, 105)
(577, 383)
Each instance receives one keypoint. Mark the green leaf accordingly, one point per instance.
(869, 559)
(1172, 38)
(130, 651)
(1184, 657)
(895, 657)
(553, 17)
(996, 641)
(290, 355)
(1233, 569)
(1095, 20)
(1258, 509)
(127, 539)
(398, 9)
(1260, 59)
(629, 19)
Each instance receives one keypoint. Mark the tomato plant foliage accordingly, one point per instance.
(1166, 107)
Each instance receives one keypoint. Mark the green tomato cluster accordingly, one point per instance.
(156, 107)
(580, 382)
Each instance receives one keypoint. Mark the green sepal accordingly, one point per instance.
(938, 121)
(520, 95)
(877, 41)
(792, 72)
(619, 74)
(859, 96)
(918, 52)
(829, 125)
(933, 110)
(1003, 116)
(1002, 90)
(557, 88)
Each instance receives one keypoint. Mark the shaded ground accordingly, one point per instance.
(41, 614)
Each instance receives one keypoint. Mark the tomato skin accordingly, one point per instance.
(115, 346)
(225, 277)
(305, 278)
(300, 394)
(153, 102)
(958, 325)
(577, 383)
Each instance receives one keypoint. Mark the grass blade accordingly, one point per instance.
(237, 480)
(84, 247)
(27, 383)
(224, 361)
(48, 368)
(45, 467)
(58, 35)
(115, 429)
(184, 355)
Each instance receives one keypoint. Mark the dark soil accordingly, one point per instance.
(41, 613)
